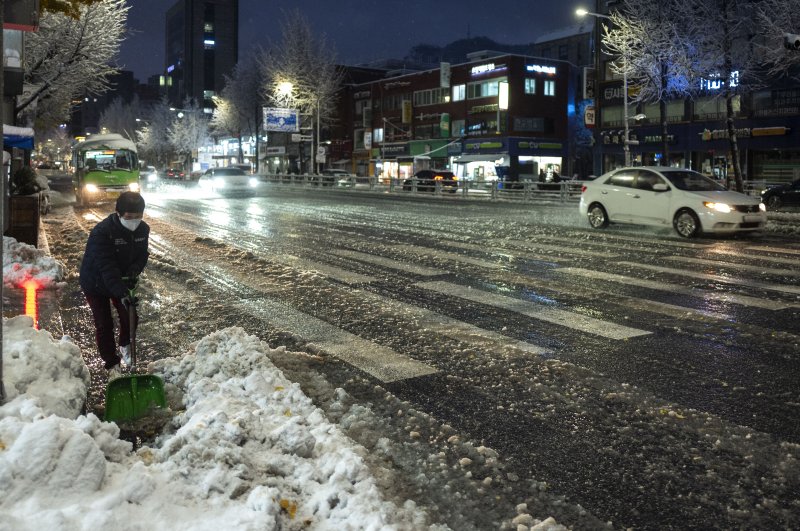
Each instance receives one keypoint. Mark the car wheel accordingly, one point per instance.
(686, 223)
(598, 218)
(774, 202)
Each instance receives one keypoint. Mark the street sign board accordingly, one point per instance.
(284, 120)
(301, 138)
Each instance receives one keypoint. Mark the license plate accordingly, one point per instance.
(114, 195)
(751, 219)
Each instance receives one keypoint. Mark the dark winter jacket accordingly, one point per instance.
(113, 252)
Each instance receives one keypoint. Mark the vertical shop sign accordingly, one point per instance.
(588, 116)
(444, 75)
(444, 125)
(407, 111)
(367, 139)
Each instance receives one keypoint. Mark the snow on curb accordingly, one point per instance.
(23, 262)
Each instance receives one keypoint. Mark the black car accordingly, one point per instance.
(782, 195)
(426, 181)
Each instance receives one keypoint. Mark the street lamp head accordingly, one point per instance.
(581, 12)
(285, 88)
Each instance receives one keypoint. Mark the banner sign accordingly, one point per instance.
(285, 120)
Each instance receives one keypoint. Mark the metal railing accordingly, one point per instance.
(524, 191)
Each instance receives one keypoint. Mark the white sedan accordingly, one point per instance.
(223, 180)
(662, 196)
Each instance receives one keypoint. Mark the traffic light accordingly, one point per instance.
(791, 41)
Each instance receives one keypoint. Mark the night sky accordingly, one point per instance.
(360, 30)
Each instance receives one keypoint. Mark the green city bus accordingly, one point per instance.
(105, 166)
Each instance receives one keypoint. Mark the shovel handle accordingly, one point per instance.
(133, 283)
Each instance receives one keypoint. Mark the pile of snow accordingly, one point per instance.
(250, 450)
(23, 262)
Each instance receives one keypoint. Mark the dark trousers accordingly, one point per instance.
(104, 326)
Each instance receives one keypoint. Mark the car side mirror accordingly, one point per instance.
(660, 187)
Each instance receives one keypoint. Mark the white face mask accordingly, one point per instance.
(130, 224)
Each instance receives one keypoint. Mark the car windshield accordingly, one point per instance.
(692, 181)
(225, 172)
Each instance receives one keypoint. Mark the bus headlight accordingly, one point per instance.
(253, 182)
(91, 188)
(133, 187)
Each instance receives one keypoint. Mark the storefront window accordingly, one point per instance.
(530, 86)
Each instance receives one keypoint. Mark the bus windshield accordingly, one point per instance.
(110, 159)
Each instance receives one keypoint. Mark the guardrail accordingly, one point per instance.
(563, 192)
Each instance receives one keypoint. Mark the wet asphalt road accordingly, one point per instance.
(650, 380)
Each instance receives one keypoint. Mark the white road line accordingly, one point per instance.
(767, 249)
(381, 362)
(733, 265)
(608, 240)
(532, 245)
(455, 257)
(390, 263)
(486, 248)
(453, 328)
(716, 278)
(761, 257)
(337, 273)
(565, 318)
(676, 288)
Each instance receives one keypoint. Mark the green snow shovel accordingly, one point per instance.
(134, 395)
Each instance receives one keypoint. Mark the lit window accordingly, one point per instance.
(208, 27)
(459, 92)
(549, 87)
(377, 135)
(530, 86)
(209, 44)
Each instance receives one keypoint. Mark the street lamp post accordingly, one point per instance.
(627, 142)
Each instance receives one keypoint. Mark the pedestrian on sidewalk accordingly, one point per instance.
(115, 256)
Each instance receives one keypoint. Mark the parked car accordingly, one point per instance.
(787, 194)
(228, 180)
(660, 196)
(426, 181)
(342, 178)
(174, 173)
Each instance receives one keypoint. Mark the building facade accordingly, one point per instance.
(202, 47)
(496, 117)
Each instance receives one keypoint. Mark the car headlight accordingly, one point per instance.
(253, 182)
(91, 188)
(719, 207)
(762, 207)
(152, 177)
(219, 183)
(133, 187)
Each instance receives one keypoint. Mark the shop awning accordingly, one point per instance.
(465, 159)
(17, 137)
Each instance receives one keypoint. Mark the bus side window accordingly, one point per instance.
(91, 164)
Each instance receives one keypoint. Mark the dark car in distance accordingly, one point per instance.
(426, 181)
(787, 194)
(174, 173)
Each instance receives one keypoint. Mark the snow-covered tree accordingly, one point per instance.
(238, 109)
(777, 18)
(651, 48)
(307, 61)
(153, 139)
(188, 131)
(69, 56)
(728, 39)
(55, 144)
(120, 117)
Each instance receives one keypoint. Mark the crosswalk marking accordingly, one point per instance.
(337, 273)
(734, 265)
(510, 255)
(659, 285)
(767, 249)
(381, 362)
(716, 278)
(455, 257)
(557, 316)
(760, 257)
(615, 240)
(530, 246)
(390, 263)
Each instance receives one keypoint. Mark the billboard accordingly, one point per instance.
(284, 120)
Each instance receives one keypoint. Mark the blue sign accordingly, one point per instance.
(285, 120)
